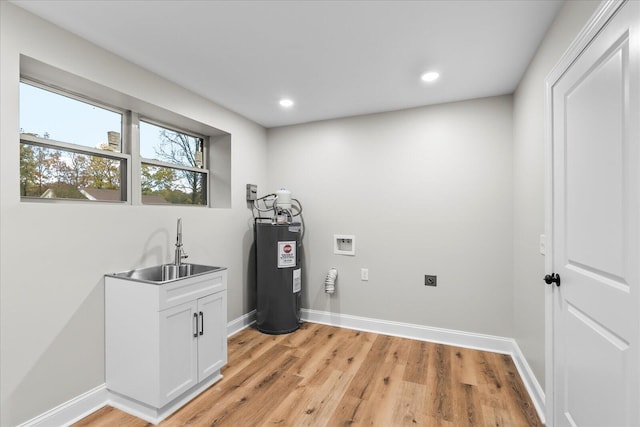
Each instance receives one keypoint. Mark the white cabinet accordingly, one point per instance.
(192, 344)
(212, 340)
(165, 343)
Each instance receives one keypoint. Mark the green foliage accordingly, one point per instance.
(175, 196)
(65, 173)
(63, 190)
(156, 178)
(27, 169)
(103, 172)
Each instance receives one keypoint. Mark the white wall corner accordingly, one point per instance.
(442, 336)
(530, 381)
(242, 322)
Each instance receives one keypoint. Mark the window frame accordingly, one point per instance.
(131, 170)
(136, 119)
(122, 156)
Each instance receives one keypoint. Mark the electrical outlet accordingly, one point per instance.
(364, 274)
(430, 280)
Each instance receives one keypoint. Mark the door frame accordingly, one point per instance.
(598, 20)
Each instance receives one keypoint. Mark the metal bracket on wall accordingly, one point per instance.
(252, 192)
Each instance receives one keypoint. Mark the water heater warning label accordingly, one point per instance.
(297, 280)
(286, 254)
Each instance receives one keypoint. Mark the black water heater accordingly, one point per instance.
(279, 277)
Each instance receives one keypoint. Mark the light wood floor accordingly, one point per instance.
(327, 376)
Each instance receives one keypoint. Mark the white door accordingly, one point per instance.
(596, 230)
(178, 350)
(212, 338)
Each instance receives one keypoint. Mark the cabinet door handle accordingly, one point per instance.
(195, 320)
(201, 323)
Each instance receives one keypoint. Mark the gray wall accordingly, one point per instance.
(425, 191)
(455, 190)
(54, 255)
(528, 181)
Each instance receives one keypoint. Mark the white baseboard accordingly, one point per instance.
(85, 404)
(241, 323)
(409, 330)
(530, 382)
(475, 341)
(72, 410)
(89, 402)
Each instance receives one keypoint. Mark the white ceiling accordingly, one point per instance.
(333, 58)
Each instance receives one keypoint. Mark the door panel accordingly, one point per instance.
(596, 223)
(594, 166)
(596, 407)
(178, 351)
(212, 344)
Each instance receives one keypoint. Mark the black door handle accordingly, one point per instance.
(552, 278)
(195, 318)
(201, 323)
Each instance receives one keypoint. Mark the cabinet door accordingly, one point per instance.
(178, 350)
(212, 337)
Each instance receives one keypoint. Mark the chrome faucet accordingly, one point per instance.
(180, 255)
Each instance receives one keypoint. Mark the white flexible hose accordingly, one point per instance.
(330, 281)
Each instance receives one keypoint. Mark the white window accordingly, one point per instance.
(69, 148)
(173, 165)
(73, 148)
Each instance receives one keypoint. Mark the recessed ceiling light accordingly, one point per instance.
(286, 103)
(430, 76)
